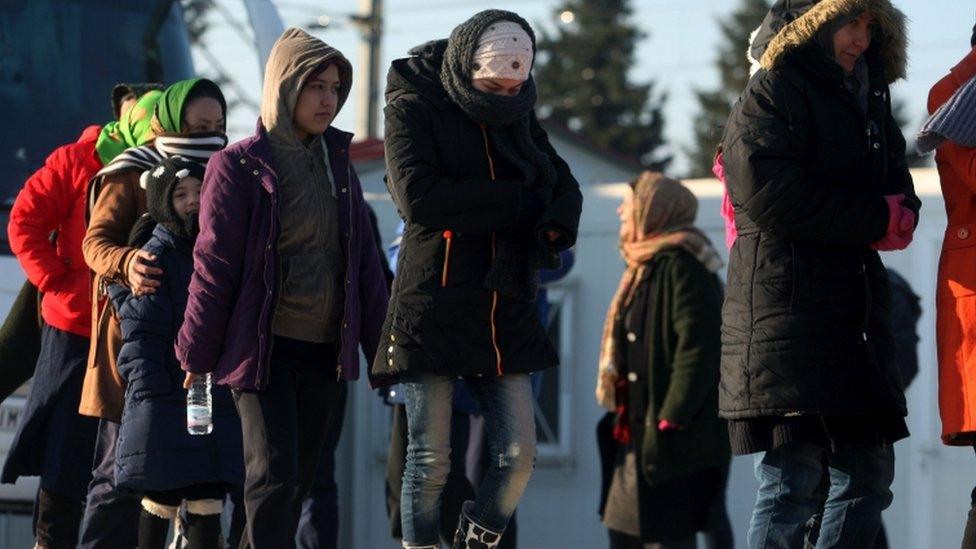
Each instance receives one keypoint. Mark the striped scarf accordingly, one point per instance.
(954, 121)
(197, 147)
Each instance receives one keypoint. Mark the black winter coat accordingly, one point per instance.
(673, 367)
(806, 321)
(455, 193)
(154, 450)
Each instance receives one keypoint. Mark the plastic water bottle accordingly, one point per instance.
(199, 407)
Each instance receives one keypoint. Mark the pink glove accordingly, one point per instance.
(665, 425)
(901, 226)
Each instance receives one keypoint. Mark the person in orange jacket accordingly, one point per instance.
(956, 286)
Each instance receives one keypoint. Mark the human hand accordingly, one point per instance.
(189, 379)
(141, 274)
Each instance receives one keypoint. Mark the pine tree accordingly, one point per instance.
(582, 77)
(733, 67)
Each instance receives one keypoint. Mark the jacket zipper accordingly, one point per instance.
(494, 294)
(448, 238)
(342, 322)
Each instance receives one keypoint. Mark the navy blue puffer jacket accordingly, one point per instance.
(154, 450)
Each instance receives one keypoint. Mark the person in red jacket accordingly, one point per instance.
(47, 225)
(950, 131)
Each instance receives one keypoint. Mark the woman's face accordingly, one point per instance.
(498, 86)
(317, 103)
(203, 115)
(852, 40)
(186, 197)
(625, 211)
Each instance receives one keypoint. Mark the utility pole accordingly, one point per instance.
(370, 23)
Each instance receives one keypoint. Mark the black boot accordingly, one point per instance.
(203, 531)
(471, 535)
(58, 519)
(154, 524)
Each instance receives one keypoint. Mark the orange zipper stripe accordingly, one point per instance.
(494, 295)
(448, 238)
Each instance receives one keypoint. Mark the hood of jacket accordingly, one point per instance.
(418, 74)
(294, 57)
(791, 24)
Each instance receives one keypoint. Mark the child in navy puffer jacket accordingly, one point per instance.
(155, 455)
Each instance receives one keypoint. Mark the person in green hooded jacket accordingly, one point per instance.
(187, 119)
(47, 224)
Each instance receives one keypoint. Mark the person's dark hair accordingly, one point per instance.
(204, 88)
(123, 92)
(319, 70)
(972, 39)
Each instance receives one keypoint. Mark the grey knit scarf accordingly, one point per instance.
(518, 257)
(954, 121)
(507, 118)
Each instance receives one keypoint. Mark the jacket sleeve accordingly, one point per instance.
(765, 174)
(373, 293)
(147, 335)
(218, 258)
(426, 197)
(899, 179)
(563, 213)
(115, 212)
(42, 205)
(696, 305)
(962, 160)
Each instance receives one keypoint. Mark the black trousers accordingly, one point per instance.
(284, 428)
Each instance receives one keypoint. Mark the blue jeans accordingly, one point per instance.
(798, 480)
(506, 403)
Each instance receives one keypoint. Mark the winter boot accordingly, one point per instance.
(471, 535)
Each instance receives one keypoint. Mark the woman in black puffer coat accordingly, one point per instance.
(487, 202)
(816, 171)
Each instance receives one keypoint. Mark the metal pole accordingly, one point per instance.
(371, 25)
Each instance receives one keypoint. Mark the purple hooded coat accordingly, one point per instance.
(227, 326)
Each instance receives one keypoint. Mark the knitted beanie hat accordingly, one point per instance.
(160, 184)
(504, 51)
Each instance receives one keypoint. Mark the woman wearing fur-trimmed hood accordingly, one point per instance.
(816, 172)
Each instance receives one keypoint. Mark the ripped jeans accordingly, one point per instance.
(506, 403)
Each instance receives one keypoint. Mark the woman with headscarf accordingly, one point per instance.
(816, 173)
(188, 119)
(53, 440)
(287, 282)
(659, 370)
(487, 203)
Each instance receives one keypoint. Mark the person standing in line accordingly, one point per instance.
(156, 457)
(816, 172)
(53, 440)
(287, 282)
(659, 371)
(188, 118)
(487, 203)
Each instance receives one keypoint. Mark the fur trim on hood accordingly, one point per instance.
(891, 43)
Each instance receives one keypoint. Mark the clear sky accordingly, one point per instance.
(678, 51)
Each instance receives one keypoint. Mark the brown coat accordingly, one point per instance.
(121, 201)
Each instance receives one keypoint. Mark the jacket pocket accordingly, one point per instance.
(957, 276)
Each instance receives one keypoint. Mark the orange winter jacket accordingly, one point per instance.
(956, 290)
